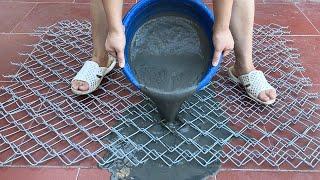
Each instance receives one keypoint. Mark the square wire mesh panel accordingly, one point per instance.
(41, 120)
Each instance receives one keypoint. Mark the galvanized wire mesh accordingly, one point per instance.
(41, 120)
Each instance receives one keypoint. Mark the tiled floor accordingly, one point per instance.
(19, 17)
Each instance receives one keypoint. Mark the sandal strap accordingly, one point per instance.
(255, 82)
(90, 73)
(106, 70)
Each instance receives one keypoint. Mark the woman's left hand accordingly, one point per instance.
(223, 43)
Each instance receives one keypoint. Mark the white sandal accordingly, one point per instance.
(254, 82)
(92, 74)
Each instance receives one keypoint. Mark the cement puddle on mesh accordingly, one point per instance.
(174, 141)
(41, 120)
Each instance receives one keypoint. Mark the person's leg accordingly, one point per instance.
(99, 35)
(241, 26)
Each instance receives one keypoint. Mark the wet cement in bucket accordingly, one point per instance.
(169, 56)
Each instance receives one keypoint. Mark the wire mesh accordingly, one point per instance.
(41, 120)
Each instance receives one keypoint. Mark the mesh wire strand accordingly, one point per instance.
(41, 120)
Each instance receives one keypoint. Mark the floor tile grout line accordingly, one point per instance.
(35, 4)
(15, 33)
(301, 35)
(306, 17)
(75, 2)
(40, 2)
(271, 170)
(51, 167)
(78, 172)
(221, 170)
(54, 2)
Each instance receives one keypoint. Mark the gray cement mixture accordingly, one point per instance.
(169, 55)
(123, 169)
(146, 135)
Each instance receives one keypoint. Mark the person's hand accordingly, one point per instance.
(115, 45)
(223, 43)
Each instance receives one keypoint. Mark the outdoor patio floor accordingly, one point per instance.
(20, 17)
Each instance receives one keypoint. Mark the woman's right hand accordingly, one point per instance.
(115, 45)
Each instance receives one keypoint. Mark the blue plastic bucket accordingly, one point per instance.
(146, 9)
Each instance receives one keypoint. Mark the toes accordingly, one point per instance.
(79, 85)
(268, 95)
(271, 94)
(83, 86)
(263, 97)
(75, 84)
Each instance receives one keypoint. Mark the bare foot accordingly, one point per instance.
(264, 96)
